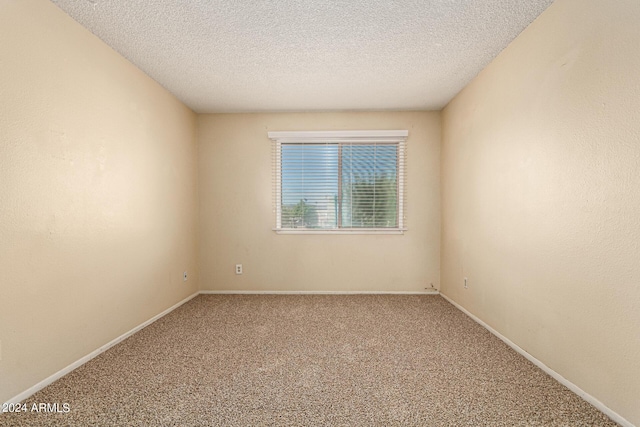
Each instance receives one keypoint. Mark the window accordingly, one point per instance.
(339, 181)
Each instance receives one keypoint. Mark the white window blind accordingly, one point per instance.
(339, 181)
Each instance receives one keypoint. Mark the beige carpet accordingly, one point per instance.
(366, 360)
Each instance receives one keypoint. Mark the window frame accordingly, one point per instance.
(396, 137)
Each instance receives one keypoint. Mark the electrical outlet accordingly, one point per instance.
(466, 285)
(238, 268)
(184, 276)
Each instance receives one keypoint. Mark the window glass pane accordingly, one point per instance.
(369, 186)
(309, 185)
(329, 186)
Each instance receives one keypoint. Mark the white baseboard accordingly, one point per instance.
(229, 292)
(64, 371)
(562, 380)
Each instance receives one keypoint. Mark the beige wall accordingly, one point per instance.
(237, 220)
(98, 195)
(541, 196)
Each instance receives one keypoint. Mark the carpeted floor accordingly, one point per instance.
(312, 360)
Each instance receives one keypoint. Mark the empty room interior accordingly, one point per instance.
(320, 212)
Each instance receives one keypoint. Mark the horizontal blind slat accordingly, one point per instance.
(337, 185)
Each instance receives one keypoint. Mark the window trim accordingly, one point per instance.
(323, 137)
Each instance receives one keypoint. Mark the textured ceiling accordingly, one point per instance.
(288, 55)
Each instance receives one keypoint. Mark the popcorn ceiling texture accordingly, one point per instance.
(232, 56)
(312, 360)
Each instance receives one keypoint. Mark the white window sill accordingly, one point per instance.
(343, 231)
